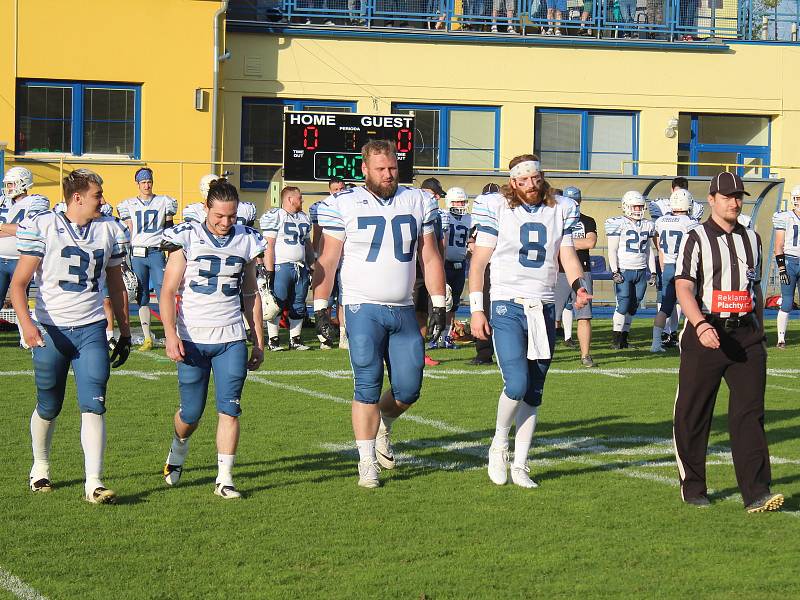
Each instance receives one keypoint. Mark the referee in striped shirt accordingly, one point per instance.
(717, 283)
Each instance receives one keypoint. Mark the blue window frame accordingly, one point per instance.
(79, 117)
(262, 133)
(587, 140)
(455, 136)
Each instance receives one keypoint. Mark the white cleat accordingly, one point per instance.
(172, 474)
(296, 344)
(101, 495)
(368, 473)
(520, 476)
(228, 492)
(383, 448)
(498, 464)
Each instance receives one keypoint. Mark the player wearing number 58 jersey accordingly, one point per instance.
(786, 224)
(210, 264)
(147, 216)
(630, 257)
(522, 233)
(377, 230)
(72, 254)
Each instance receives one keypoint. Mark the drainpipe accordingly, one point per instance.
(218, 58)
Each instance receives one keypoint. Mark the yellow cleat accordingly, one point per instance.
(147, 344)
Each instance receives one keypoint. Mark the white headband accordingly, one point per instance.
(525, 169)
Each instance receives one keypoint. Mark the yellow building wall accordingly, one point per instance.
(166, 46)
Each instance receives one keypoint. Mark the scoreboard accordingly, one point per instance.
(318, 146)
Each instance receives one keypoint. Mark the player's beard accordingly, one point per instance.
(382, 190)
(528, 197)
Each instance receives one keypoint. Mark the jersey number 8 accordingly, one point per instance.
(537, 247)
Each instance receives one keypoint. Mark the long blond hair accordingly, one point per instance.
(545, 194)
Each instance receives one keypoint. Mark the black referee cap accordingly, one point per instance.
(727, 184)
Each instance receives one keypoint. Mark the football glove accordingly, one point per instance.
(783, 274)
(130, 280)
(617, 277)
(448, 298)
(325, 332)
(653, 279)
(269, 306)
(122, 350)
(438, 323)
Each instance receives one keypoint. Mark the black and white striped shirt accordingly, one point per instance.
(725, 267)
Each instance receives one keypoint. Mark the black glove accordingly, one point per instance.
(121, 351)
(783, 274)
(653, 279)
(325, 332)
(438, 323)
(617, 277)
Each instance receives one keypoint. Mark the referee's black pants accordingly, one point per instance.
(741, 360)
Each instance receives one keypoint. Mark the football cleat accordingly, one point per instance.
(101, 495)
(520, 476)
(569, 343)
(781, 345)
(226, 491)
(699, 501)
(296, 344)
(588, 362)
(172, 474)
(656, 347)
(430, 362)
(498, 464)
(432, 345)
(447, 343)
(767, 503)
(383, 448)
(368, 473)
(41, 485)
(147, 344)
(274, 345)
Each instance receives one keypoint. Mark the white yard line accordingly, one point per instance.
(16, 587)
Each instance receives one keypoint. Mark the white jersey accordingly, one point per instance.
(457, 230)
(290, 232)
(789, 222)
(312, 212)
(660, 207)
(379, 256)
(745, 221)
(72, 272)
(526, 241)
(634, 241)
(147, 218)
(671, 230)
(15, 212)
(106, 210)
(211, 283)
(245, 213)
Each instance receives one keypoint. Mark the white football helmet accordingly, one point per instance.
(205, 184)
(456, 201)
(633, 205)
(17, 181)
(795, 194)
(681, 200)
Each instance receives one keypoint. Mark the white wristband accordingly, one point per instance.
(438, 301)
(475, 302)
(320, 304)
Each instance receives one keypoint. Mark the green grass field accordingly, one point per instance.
(607, 520)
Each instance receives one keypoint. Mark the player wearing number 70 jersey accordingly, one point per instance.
(210, 263)
(630, 257)
(72, 254)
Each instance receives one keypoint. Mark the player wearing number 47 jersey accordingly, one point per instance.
(72, 254)
(787, 256)
(376, 231)
(209, 264)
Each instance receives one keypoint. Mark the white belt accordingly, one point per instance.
(538, 342)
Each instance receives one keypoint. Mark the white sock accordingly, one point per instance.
(144, 318)
(618, 321)
(526, 423)
(225, 469)
(295, 327)
(506, 410)
(342, 333)
(178, 451)
(783, 325)
(628, 321)
(366, 450)
(566, 323)
(41, 438)
(272, 328)
(386, 422)
(657, 331)
(93, 440)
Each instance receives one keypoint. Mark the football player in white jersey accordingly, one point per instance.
(661, 206)
(72, 255)
(786, 224)
(15, 205)
(457, 225)
(208, 264)
(377, 231)
(522, 234)
(147, 215)
(245, 214)
(289, 253)
(670, 231)
(630, 258)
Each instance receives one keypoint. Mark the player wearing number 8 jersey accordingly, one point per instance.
(209, 264)
(377, 230)
(522, 233)
(72, 254)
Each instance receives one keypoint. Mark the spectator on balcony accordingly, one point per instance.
(509, 6)
(555, 8)
(356, 12)
(586, 16)
(627, 9)
(655, 17)
(687, 19)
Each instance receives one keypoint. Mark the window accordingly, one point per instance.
(724, 140)
(262, 133)
(459, 137)
(78, 118)
(587, 140)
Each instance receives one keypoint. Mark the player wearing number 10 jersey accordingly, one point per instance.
(376, 230)
(71, 255)
(210, 263)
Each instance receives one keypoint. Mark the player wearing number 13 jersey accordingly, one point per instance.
(210, 263)
(377, 231)
(522, 233)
